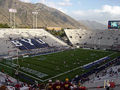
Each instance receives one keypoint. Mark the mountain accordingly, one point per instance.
(93, 25)
(46, 16)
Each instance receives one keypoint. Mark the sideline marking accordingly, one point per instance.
(53, 76)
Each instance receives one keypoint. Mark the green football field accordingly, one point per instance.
(56, 65)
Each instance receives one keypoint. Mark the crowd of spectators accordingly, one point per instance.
(67, 85)
(58, 85)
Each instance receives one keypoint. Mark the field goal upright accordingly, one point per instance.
(13, 53)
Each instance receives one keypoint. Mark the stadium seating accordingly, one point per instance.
(39, 38)
(89, 65)
(104, 39)
(26, 44)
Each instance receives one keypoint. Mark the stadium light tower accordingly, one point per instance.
(12, 17)
(35, 19)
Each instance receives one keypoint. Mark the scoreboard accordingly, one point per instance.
(115, 24)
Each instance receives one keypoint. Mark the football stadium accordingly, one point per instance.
(49, 57)
(35, 55)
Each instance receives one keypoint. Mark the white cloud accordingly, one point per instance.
(79, 13)
(102, 15)
(67, 0)
(62, 10)
(51, 4)
(65, 3)
(42, 1)
(25, 1)
(56, 6)
(115, 10)
(32, 1)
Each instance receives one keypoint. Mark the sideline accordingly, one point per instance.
(23, 72)
(53, 76)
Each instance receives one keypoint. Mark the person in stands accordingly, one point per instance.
(57, 85)
(49, 86)
(112, 85)
(79, 85)
(108, 86)
(2, 70)
(67, 84)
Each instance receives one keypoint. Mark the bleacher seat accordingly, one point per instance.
(39, 37)
(26, 44)
(94, 39)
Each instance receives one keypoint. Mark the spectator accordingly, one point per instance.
(74, 87)
(112, 84)
(17, 86)
(108, 86)
(3, 88)
(67, 84)
(49, 86)
(57, 85)
(2, 70)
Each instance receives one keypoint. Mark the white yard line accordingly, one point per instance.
(24, 73)
(53, 76)
(112, 54)
(63, 73)
(98, 60)
(70, 70)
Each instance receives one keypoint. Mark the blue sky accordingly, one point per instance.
(95, 10)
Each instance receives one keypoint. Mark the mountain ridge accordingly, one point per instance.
(93, 25)
(47, 16)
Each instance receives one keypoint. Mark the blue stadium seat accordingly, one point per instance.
(25, 44)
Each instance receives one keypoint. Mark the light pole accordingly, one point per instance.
(35, 19)
(12, 17)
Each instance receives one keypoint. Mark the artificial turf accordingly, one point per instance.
(60, 62)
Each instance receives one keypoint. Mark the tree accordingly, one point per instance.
(4, 25)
